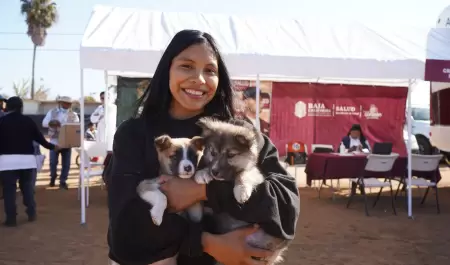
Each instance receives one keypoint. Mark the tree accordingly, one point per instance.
(41, 93)
(22, 88)
(40, 15)
(89, 99)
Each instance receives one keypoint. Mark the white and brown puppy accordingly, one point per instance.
(231, 154)
(177, 157)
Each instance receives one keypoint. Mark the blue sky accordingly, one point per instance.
(60, 69)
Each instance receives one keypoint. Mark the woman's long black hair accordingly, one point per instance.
(155, 101)
(357, 127)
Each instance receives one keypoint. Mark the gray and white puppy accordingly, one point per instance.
(177, 157)
(231, 154)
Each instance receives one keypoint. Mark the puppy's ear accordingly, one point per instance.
(198, 143)
(245, 137)
(205, 124)
(245, 140)
(163, 142)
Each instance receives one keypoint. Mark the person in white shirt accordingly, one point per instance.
(98, 118)
(355, 140)
(54, 119)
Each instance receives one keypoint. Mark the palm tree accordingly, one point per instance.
(40, 15)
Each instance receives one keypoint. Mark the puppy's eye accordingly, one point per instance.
(231, 155)
(172, 156)
(213, 153)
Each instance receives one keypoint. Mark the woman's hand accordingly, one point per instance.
(182, 193)
(232, 249)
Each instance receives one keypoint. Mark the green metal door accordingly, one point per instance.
(127, 96)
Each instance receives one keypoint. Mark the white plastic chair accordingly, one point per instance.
(378, 164)
(92, 149)
(424, 163)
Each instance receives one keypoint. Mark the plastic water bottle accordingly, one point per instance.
(342, 148)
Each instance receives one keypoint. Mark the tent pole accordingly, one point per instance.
(82, 167)
(105, 106)
(410, 82)
(258, 92)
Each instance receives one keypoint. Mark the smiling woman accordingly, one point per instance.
(190, 82)
(193, 79)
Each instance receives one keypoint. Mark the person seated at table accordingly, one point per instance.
(355, 140)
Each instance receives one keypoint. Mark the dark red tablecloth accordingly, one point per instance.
(332, 166)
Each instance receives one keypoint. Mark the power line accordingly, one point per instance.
(50, 34)
(40, 50)
(43, 50)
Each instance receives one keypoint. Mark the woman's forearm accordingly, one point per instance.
(202, 192)
(207, 242)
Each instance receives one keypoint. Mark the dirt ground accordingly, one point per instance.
(328, 233)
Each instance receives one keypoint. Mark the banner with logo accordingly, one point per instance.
(324, 113)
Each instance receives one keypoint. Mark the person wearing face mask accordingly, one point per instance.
(249, 97)
(54, 119)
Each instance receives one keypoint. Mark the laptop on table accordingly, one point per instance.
(382, 148)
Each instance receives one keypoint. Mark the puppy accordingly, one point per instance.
(177, 157)
(231, 154)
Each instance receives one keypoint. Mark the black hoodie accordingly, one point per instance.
(134, 239)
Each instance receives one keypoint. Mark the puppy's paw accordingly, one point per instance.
(157, 216)
(202, 177)
(242, 193)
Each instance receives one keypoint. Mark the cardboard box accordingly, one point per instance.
(69, 135)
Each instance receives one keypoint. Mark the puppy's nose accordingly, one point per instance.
(188, 168)
(214, 172)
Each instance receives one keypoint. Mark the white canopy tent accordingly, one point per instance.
(132, 41)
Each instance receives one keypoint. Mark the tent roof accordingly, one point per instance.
(132, 40)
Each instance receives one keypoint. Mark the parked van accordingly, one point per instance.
(420, 125)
